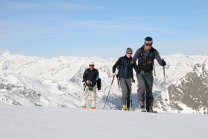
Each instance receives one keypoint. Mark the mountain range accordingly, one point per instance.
(57, 82)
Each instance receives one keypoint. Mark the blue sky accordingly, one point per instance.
(104, 28)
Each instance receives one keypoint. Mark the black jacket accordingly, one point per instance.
(142, 60)
(91, 75)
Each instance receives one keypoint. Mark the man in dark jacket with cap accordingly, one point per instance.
(146, 55)
(90, 77)
(125, 75)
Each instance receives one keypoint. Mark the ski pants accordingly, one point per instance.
(145, 84)
(126, 91)
(93, 97)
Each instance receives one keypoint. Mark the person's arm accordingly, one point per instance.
(159, 60)
(85, 76)
(116, 65)
(136, 68)
(136, 55)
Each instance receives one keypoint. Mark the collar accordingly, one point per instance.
(127, 57)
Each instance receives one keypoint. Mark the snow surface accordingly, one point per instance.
(21, 122)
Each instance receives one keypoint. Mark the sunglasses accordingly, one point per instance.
(148, 44)
(129, 53)
(91, 65)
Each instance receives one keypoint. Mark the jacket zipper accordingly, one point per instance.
(126, 68)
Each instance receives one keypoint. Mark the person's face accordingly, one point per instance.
(91, 67)
(129, 54)
(148, 46)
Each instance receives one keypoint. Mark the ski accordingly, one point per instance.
(153, 112)
(143, 111)
(148, 112)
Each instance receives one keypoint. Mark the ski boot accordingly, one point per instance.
(93, 107)
(124, 108)
(130, 109)
(84, 107)
(151, 111)
(141, 105)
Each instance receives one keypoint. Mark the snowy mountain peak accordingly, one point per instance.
(189, 94)
(7, 53)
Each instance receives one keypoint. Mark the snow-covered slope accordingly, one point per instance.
(21, 122)
(58, 81)
(188, 94)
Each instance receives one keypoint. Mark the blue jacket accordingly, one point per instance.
(125, 70)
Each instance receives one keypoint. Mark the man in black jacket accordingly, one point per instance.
(146, 55)
(125, 75)
(90, 77)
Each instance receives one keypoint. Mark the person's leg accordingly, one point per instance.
(124, 92)
(84, 99)
(149, 99)
(149, 85)
(141, 87)
(93, 97)
(128, 84)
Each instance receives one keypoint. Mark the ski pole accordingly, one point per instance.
(130, 99)
(109, 91)
(166, 97)
(133, 81)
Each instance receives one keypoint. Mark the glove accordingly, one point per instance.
(132, 65)
(163, 63)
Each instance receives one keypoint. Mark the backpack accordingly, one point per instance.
(118, 68)
(152, 51)
(153, 56)
(99, 80)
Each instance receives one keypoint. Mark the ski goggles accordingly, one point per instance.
(148, 44)
(91, 65)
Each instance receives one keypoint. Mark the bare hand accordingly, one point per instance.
(87, 81)
(114, 74)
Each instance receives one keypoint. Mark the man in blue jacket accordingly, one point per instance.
(90, 77)
(146, 55)
(125, 75)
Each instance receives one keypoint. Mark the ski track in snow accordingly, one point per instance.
(21, 122)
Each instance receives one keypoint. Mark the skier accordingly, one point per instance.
(125, 75)
(90, 77)
(146, 55)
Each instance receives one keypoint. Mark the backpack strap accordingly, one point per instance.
(147, 57)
